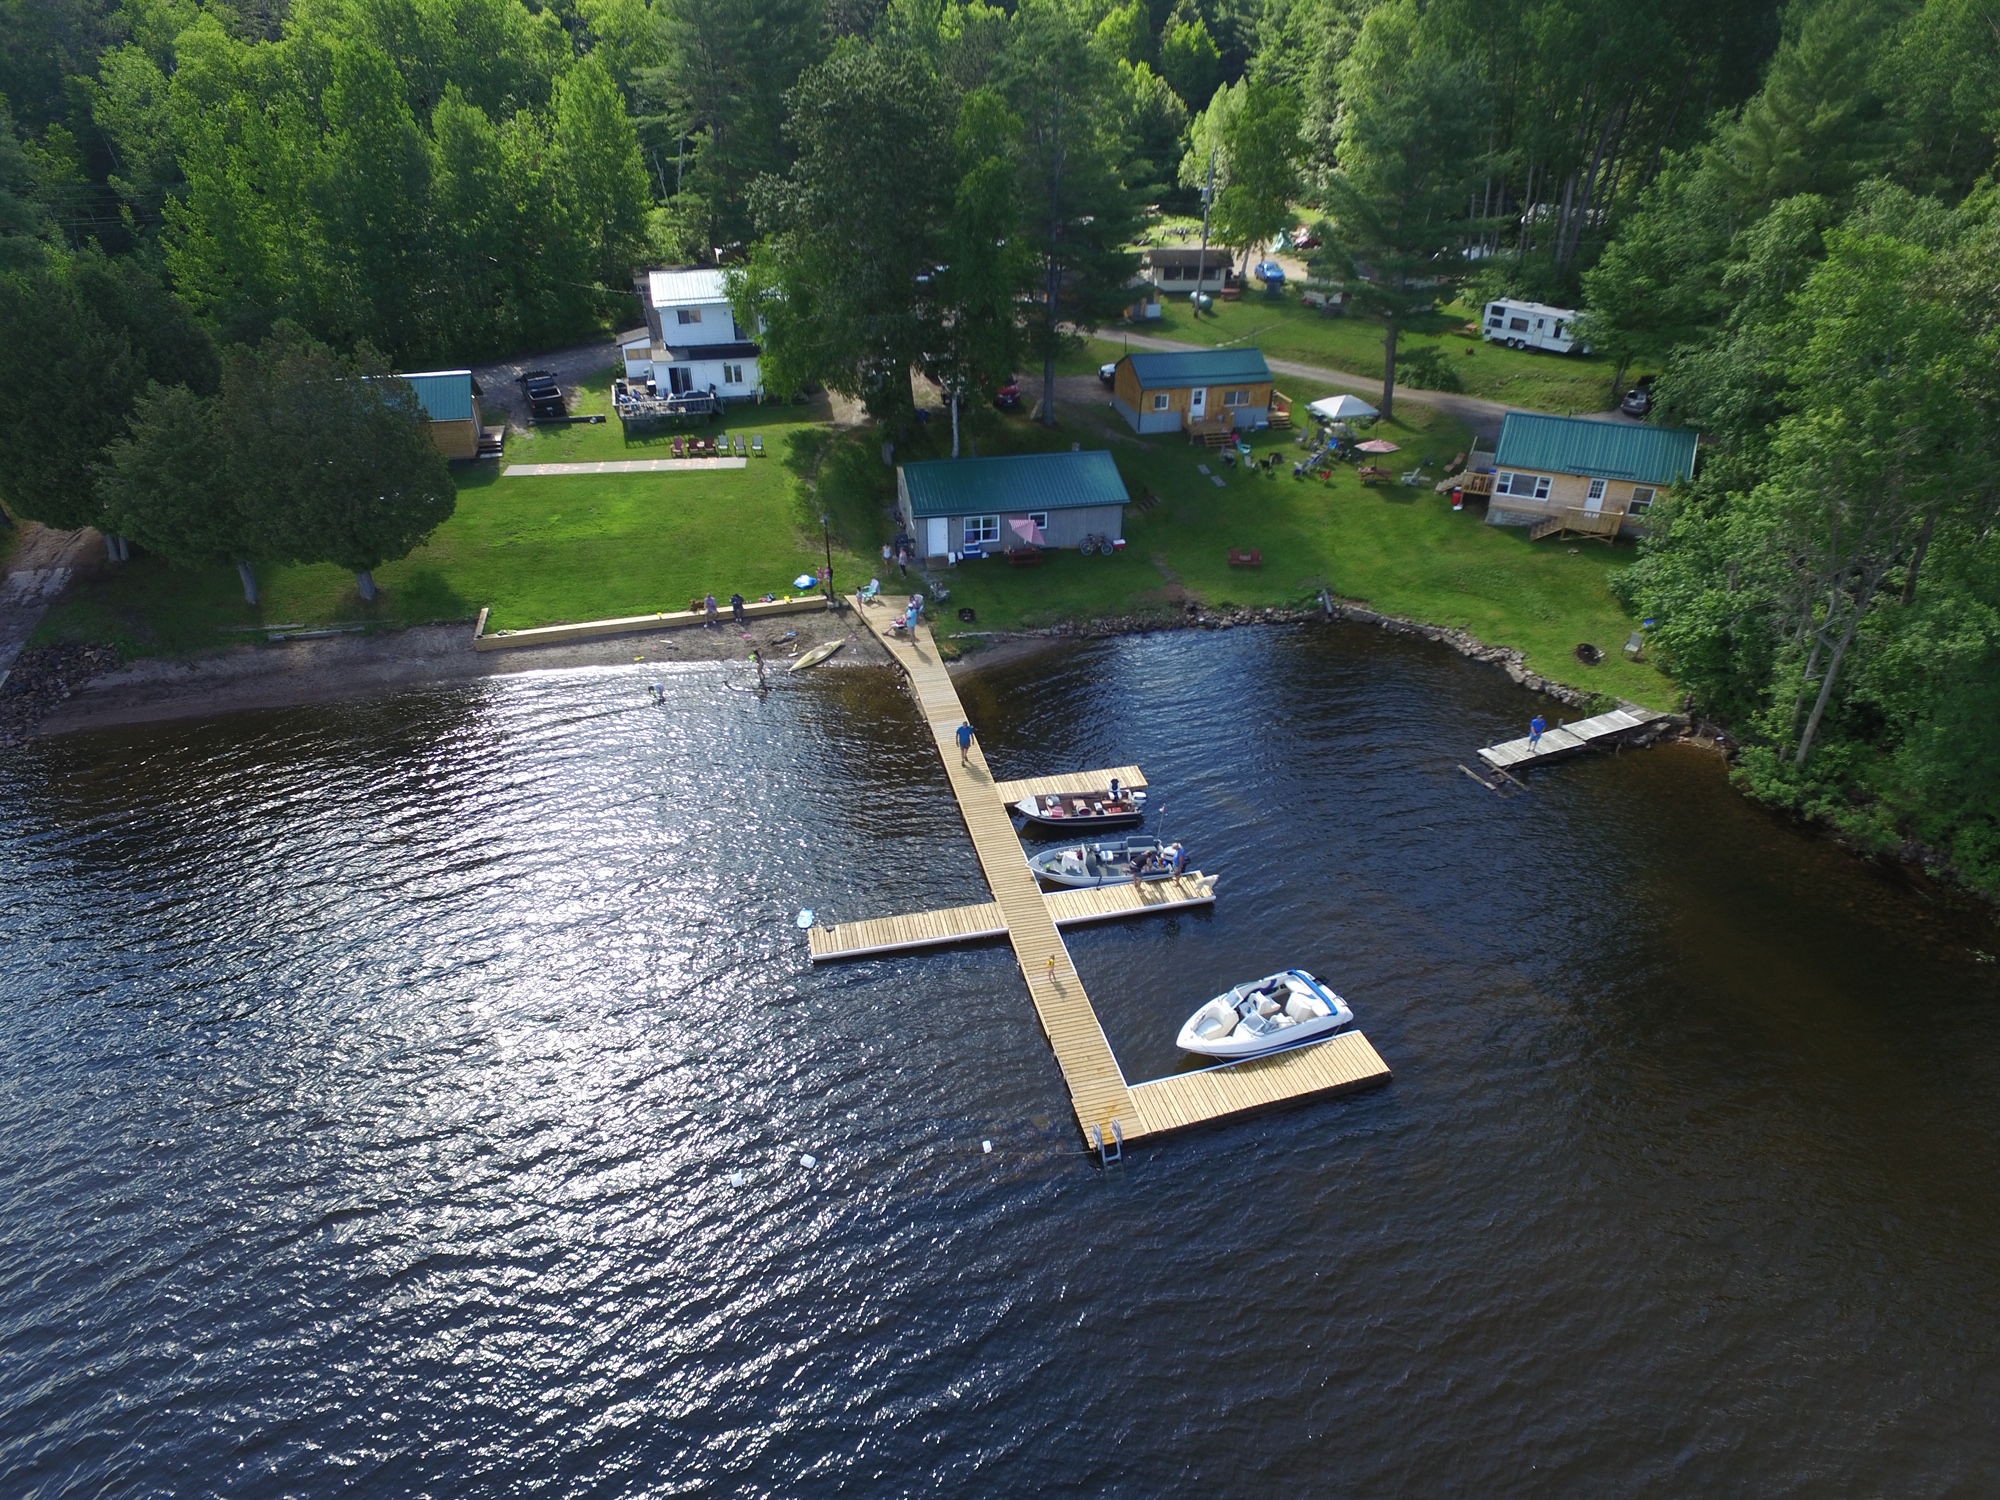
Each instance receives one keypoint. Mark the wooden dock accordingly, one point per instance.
(1011, 792)
(1106, 1107)
(968, 924)
(1569, 739)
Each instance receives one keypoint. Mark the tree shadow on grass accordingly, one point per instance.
(425, 597)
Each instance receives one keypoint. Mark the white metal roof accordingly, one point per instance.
(685, 288)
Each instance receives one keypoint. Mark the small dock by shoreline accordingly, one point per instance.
(1569, 739)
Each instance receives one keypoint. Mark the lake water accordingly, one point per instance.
(372, 1079)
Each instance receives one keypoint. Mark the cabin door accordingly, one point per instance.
(1197, 403)
(937, 536)
(1594, 500)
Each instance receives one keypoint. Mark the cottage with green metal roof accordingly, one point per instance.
(1204, 392)
(1573, 474)
(976, 507)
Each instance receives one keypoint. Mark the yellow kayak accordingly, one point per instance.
(818, 654)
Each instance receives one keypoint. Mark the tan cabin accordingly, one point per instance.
(1196, 391)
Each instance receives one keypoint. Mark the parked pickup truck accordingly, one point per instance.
(545, 397)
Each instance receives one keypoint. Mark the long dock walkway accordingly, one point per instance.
(1567, 740)
(967, 924)
(1106, 1106)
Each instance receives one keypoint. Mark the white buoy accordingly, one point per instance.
(736, 1179)
(805, 917)
(808, 1160)
(986, 1148)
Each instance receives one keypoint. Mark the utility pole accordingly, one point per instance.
(1207, 206)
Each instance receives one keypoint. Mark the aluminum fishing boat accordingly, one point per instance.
(1109, 864)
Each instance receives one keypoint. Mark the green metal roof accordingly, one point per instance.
(446, 394)
(1198, 367)
(1601, 450)
(1014, 484)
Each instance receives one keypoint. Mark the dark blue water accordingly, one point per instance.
(372, 1079)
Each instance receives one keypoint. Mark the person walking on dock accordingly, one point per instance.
(1537, 727)
(964, 743)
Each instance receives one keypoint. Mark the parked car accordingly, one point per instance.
(1304, 239)
(1639, 400)
(1008, 397)
(1108, 373)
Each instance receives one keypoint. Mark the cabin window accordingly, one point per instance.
(1040, 518)
(1596, 490)
(1161, 400)
(1517, 325)
(736, 330)
(982, 529)
(1525, 486)
(1559, 328)
(1236, 398)
(1642, 497)
(732, 374)
(687, 314)
(1170, 273)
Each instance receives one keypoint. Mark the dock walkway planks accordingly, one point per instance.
(1097, 1087)
(967, 924)
(1567, 740)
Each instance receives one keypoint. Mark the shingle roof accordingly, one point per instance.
(1198, 367)
(1016, 483)
(1601, 450)
(446, 394)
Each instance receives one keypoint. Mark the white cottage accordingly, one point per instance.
(694, 345)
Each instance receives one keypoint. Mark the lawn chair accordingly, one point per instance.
(1251, 559)
(869, 595)
(757, 443)
(680, 450)
(742, 447)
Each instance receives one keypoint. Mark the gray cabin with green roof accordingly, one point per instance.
(958, 507)
(1595, 476)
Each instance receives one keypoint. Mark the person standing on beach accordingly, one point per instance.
(964, 743)
(757, 657)
(1536, 729)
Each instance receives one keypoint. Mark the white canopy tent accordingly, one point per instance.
(1342, 409)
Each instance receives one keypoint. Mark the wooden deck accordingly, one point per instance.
(1102, 1100)
(968, 924)
(1011, 792)
(1337, 1065)
(1569, 739)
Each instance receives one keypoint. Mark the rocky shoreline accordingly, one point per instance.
(1509, 659)
(43, 677)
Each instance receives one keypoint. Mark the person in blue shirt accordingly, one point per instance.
(964, 743)
(1536, 729)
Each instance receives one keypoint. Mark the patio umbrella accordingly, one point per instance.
(804, 581)
(1379, 445)
(1026, 529)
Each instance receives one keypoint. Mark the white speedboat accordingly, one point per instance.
(1281, 1010)
(1109, 864)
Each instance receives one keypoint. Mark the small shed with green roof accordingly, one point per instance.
(959, 507)
(1197, 390)
(450, 399)
(1591, 476)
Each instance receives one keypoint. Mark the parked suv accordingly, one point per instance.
(1638, 401)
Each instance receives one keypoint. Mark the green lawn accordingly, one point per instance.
(1284, 328)
(537, 550)
(1400, 550)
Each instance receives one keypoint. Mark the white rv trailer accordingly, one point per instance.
(1531, 325)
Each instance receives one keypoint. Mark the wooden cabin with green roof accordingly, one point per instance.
(1573, 474)
(969, 507)
(1203, 392)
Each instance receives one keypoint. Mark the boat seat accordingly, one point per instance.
(1213, 1027)
(1299, 1008)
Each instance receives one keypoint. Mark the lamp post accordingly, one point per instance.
(826, 539)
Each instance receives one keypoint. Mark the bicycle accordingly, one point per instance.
(1096, 542)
